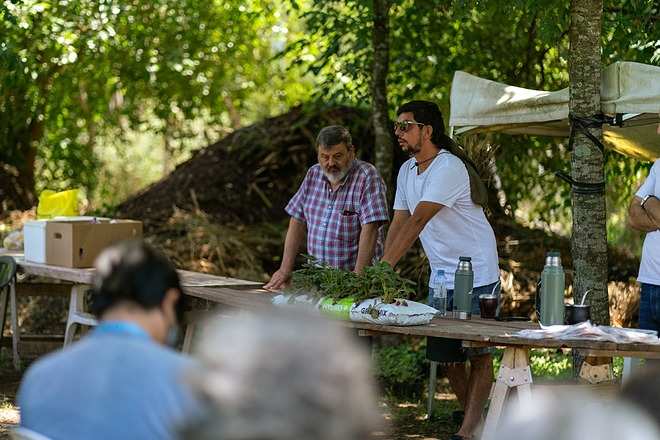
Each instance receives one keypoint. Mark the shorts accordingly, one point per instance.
(649, 307)
(450, 351)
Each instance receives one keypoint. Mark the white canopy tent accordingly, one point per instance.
(630, 92)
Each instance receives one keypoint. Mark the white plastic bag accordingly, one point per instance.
(373, 311)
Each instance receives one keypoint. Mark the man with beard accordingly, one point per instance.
(440, 198)
(340, 206)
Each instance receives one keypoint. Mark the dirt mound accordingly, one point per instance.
(248, 176)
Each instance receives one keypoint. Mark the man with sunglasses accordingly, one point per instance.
(341, 207)
(440, 198)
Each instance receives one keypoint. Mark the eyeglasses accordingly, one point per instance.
(404, 126)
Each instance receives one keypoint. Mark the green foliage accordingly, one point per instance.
(545, 364)
(402, 369)
(549, 363)
(76, 74)
(379, 280)
(516, 42)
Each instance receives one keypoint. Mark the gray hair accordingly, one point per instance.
(282, 377)
(575, 415)
(334, 135)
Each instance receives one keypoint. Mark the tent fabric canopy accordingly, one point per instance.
(630, 90)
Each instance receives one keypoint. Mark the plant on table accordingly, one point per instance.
(380, 280)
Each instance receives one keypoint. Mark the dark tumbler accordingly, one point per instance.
(488, 306)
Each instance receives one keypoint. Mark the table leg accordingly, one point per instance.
(15, 332)
(188, 338)
(514, 373)
(433, 380)
(76, 304)
(4, 302)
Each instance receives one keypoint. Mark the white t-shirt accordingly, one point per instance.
(649, 269)
(460, 228)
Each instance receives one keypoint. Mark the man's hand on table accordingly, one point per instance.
(278, 280)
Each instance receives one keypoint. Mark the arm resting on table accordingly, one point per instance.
(294, 238)
(367, 245)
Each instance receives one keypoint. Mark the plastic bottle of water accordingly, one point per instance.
(438, 291)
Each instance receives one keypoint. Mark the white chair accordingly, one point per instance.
(77, 315)
(21, 433)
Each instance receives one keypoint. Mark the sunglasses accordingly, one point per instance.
(404, 126)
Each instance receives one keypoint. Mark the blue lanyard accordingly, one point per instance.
(121, 328)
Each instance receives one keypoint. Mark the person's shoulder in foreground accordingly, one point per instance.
(107, 387)
(121, 381)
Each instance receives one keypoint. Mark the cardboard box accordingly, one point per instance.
(75, 242)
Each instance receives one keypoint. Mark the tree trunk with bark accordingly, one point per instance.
(384, 142)
(589, 239)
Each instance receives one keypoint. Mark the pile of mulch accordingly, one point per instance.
(248, 176)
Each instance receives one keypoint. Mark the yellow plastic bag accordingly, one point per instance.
(53, 204)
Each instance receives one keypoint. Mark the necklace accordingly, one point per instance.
(417, 164)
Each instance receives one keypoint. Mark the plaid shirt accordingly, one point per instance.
(334, 218)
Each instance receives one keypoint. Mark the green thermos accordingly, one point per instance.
(553, 282)
(463, 281)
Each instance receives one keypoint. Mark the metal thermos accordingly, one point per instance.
(463, 282)
(553, 284)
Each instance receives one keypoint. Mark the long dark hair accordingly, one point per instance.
(428, 113)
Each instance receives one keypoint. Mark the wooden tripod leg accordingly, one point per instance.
(524, 381)
(514, 373)
(499, 395)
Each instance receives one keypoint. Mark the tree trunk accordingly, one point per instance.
(384, 142)
(589, 239)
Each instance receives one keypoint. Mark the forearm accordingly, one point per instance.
(367, 245)
(639, 217)
(294, 238)
(652, 208)
(403, 240)
(394, 229)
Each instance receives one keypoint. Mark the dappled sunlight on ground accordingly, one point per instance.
(9, 416)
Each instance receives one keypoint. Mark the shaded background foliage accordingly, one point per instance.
(111, 95)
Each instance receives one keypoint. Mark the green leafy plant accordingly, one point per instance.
(402, 369)
(380, 280)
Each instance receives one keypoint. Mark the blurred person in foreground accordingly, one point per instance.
(120, 381)
(643, 391)
(574, 415)
(340, 207)
(282, 377)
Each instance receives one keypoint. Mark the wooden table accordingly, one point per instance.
(514, 372)
(204, 286)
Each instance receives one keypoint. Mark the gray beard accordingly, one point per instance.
(335, 177)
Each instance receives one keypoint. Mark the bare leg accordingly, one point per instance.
(479, 384)
(458, 379)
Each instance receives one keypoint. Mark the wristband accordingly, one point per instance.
(645, 199)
